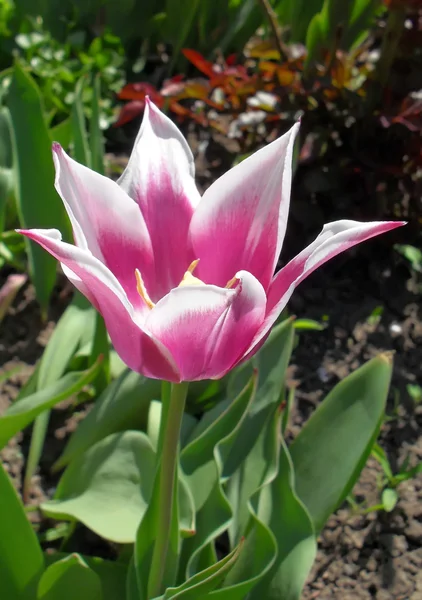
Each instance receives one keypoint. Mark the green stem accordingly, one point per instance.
(172, 414)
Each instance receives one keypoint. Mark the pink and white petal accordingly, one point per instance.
(105, 221)
(160, 177)
(135, 347)
(241, 220)
(334, 238)
(207, 328)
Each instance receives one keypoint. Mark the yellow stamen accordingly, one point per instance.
(193, 265)
(232, 282)
(142, 290)
(188, 278)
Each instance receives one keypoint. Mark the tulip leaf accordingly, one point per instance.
(96, 135)
(271, 363)
(69, 578)
(68, 335)
(203, 462)
(201, 584)
(81, 150)
(255, 560)
(6, 161)
(22, 413)
(62, 133)
(333, 446)
(112, 574)
(121, 469)
(38, 203)
(21, 559)
(124, 404)
(282, 511)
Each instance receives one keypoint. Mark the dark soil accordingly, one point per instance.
(378, 555)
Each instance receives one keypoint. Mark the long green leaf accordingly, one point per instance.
(21, 559)
(333, 446)
(20, 414)
(108, 488)
(282, 511)
(81, 149)
(73, 325)
(38, 203)
(69, 578)
(200, 585)
(124, 404)
(96, 135)
(112, 574)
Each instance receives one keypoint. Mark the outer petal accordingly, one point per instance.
(106, 221)
(206, 328)
(241, 220)
(335, 238)
(160, 177)
(135, 347)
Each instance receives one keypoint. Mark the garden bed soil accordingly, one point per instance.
(377, 555)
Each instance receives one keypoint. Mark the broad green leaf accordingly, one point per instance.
(81, 149)
(68, 579)
(38, 203)
(112, 574)
(22, 413)
(101, 347)
(271, 363)
(282, 511)
(200, 585)
(96, 135)
(331, 449)
(259, 469)
(119, 468)
(73, 325)
(179, 19)
(197, 458)
(6, 161)
(255, 560)
(21, 559)
(68, 335)
(203, 462)
(62, 133)
(124, 404)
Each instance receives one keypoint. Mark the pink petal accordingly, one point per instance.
(106, 221)
(206, 328)
(135, 347)
(241, 220)
(160, 177)
(335, 238)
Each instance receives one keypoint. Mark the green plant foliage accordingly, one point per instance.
(123, 405)
(287, 518)
(334, 444)
(111, 574)
(205, 582)
(38, 203)
(20, 414)
(74, 329)
(119, 468)
(69, 578)
(21, 559)
(57, 66)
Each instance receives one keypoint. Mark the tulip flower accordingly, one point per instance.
(185, 284)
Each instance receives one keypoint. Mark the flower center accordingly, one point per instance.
(188, 279)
